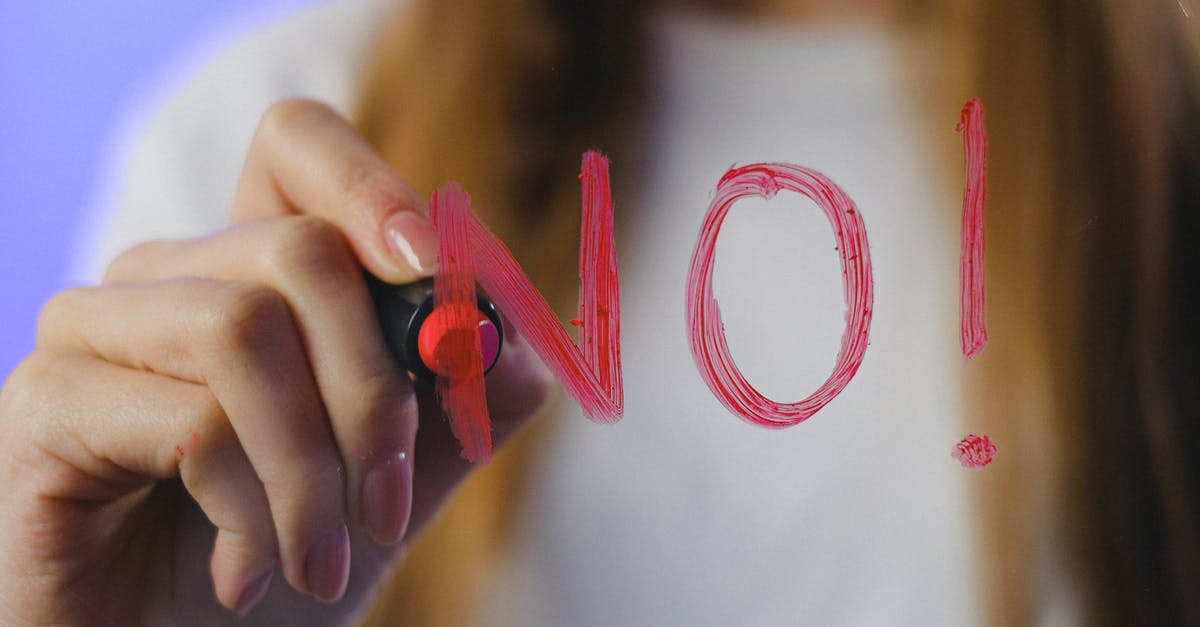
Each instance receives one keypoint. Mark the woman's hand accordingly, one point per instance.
(227, 406)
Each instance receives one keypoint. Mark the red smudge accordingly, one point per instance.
(576, 322)
(705, 330)
(591, 370)
(970, 124)
(193, 443)
(460, 385)
(974, 451)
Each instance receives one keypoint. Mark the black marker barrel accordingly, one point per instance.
(413, 330)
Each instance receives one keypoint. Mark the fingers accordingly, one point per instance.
(306, 159)
(158, 427)
(325, 417)
(368, 398)
(241, 342)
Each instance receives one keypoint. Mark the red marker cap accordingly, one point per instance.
(446, 341)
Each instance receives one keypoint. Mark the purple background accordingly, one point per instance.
(69, 75)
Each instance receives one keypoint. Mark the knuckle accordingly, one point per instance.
(210, 428)
(56, 314)
(33, 402)
(23, 391)
(362, 180)
(368, 185)
(206, 439)
(386, 385)
(285, 116)
(306, 245)
(248, 317)
(131, 263)
(306, 495)
(387, 399)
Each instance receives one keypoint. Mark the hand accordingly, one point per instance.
(227, 406)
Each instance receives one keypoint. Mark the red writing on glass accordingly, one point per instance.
(975, 451)
(460, 386)
(970, 124)
(706, 332)
(590, 370)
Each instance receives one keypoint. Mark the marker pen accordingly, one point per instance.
(417, 331)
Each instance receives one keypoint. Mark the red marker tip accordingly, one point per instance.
(446, 342)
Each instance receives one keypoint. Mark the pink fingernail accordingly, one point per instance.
(387, 499)
(413, 240)
(328, 564)
(253, 593)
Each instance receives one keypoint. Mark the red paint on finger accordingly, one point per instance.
(974, 451)
(706, 332)
(459, 352)
(189, 447)
(974, 331)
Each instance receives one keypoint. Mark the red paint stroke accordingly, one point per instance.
(974, 331)
(467, 252)
(705, 329)
(591, 370)
(460, 384)
(974, 451)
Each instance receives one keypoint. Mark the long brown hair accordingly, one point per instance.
(1091, 380)
(1093, 368)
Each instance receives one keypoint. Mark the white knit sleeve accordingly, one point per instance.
(179, 171)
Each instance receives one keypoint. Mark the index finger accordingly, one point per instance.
(305, 158)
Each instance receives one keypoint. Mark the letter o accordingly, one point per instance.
(706, 332)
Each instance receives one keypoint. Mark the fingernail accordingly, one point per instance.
(387, 499)
(253, 593)
(328, 564)
(413, 240)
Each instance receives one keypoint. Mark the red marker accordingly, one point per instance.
(425, 338)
